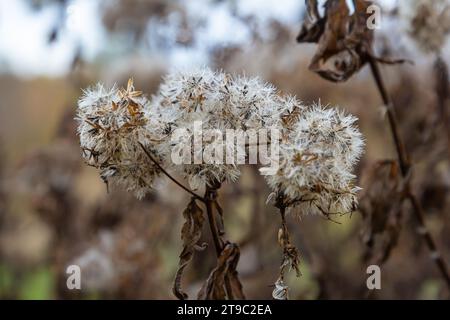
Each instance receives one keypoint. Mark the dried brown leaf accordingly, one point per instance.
(190, 235)
(291, 260)
(225, 271)
(281, 291)
(313, 25)
(344, 40)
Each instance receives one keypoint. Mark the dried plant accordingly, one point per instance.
(112, 125)
(190, 234)
(129, 139)
(344, 43)
(127, 248)
(333, 34)
(317, 155)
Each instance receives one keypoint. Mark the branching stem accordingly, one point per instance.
(405, 167)
(210, 201)
(196, 196)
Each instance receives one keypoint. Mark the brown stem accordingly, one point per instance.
(210, 200)
(283, 216)
(285, 238)
(435, 254)
(443, 94)
(196, 196)
(405, 165)
(399, 145)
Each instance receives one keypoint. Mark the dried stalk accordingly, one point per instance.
(210, 198)
(217, 231)
(443, 94)
(210, 201)
(196, 196)
(291, 256)
(405, 168)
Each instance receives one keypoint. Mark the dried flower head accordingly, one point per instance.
(428, 22)
(317, 155)
(220, 102)
(203, 163)
(318, 149)
(112, 123)
(216, 98)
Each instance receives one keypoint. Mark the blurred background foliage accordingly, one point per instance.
(55, 211)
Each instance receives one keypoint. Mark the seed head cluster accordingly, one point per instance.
(317, 155)
(318, 148)
(112, 123)
(220, 102)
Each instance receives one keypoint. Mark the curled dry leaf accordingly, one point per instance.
(313, 25)
(280, 292)
(224, 274)
(382, 218)
(190, 235)
(344, 40)
(291, 259)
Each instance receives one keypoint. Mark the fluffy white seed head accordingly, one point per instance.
(112, 124)
(202, 163)
(318, 148)
(216, 98)
(317, 154)
(220, 102)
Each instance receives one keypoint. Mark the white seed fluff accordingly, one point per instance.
(318, 149)
(220, 102)
(317, 155)
(112, 123)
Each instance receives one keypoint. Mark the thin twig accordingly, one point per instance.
(399, 145)
(405, 167)
(196, 196)
(423, 231)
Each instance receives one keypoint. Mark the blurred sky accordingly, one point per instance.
(24, 32)
(24, 35)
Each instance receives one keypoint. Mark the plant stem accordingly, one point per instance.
(399, 145)
(443, 94)
(196, 196)
(405, 167)
(283, 216)
(423, 231)
(210, 198)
